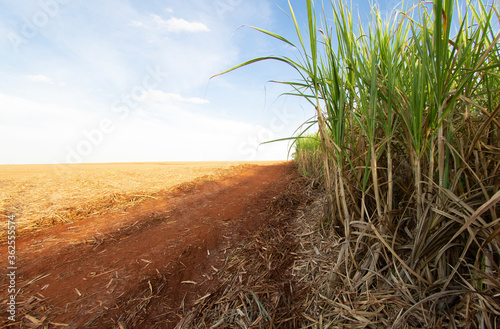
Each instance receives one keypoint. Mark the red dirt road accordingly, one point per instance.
(138, 269)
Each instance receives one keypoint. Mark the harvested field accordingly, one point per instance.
(144, 268)
(45, 195)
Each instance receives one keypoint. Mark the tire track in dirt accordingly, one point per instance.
(143, 265)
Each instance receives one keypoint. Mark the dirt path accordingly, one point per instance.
(140, 268)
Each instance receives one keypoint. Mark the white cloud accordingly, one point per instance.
(40, 130)
(173, 24)
(138, 24)
(187, 137)
(149, 135)
(40, 78)
(179, 25)
(18, 110)
(158, 96)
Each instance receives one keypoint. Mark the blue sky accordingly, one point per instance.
(120, 81)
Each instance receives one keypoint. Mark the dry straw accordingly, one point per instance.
(40, 196)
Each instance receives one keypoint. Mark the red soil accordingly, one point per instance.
(142, 268)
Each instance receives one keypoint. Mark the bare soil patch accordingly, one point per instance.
(146, 267)
(258, 285)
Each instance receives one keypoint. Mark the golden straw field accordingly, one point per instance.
(45, 195)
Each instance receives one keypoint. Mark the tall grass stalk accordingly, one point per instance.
(408, 116)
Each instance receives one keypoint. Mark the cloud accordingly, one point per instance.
(158, 96)
(40, 78)
(187, 137)
(173, 24)
(39, 131)
(138, 24)
(179, 25)
(18, 110)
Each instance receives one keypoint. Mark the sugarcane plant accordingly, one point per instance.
(407, 114)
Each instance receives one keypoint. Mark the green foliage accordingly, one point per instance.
(308, 157)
